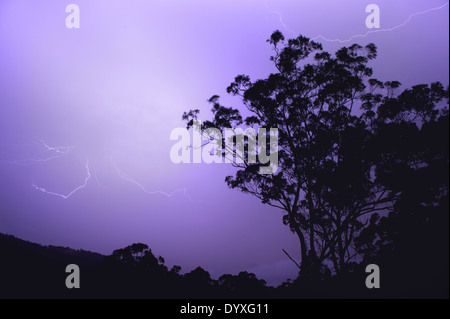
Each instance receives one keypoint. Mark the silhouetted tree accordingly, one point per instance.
(175, 269)
(243, 284)
(329, 114)
(412, 138)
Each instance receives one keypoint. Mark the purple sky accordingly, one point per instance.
(111, 91)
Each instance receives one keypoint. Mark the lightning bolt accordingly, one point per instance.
(381, 30)
(57, 149)
(280, 17)
(98, 181)
(58, 152)
(149, 191)
(363, 35)
(86, 180)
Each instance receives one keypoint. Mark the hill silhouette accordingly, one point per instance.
(30, 270)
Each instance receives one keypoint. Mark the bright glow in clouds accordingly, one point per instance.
(117, 86)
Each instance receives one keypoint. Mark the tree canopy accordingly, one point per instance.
(347, 145)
